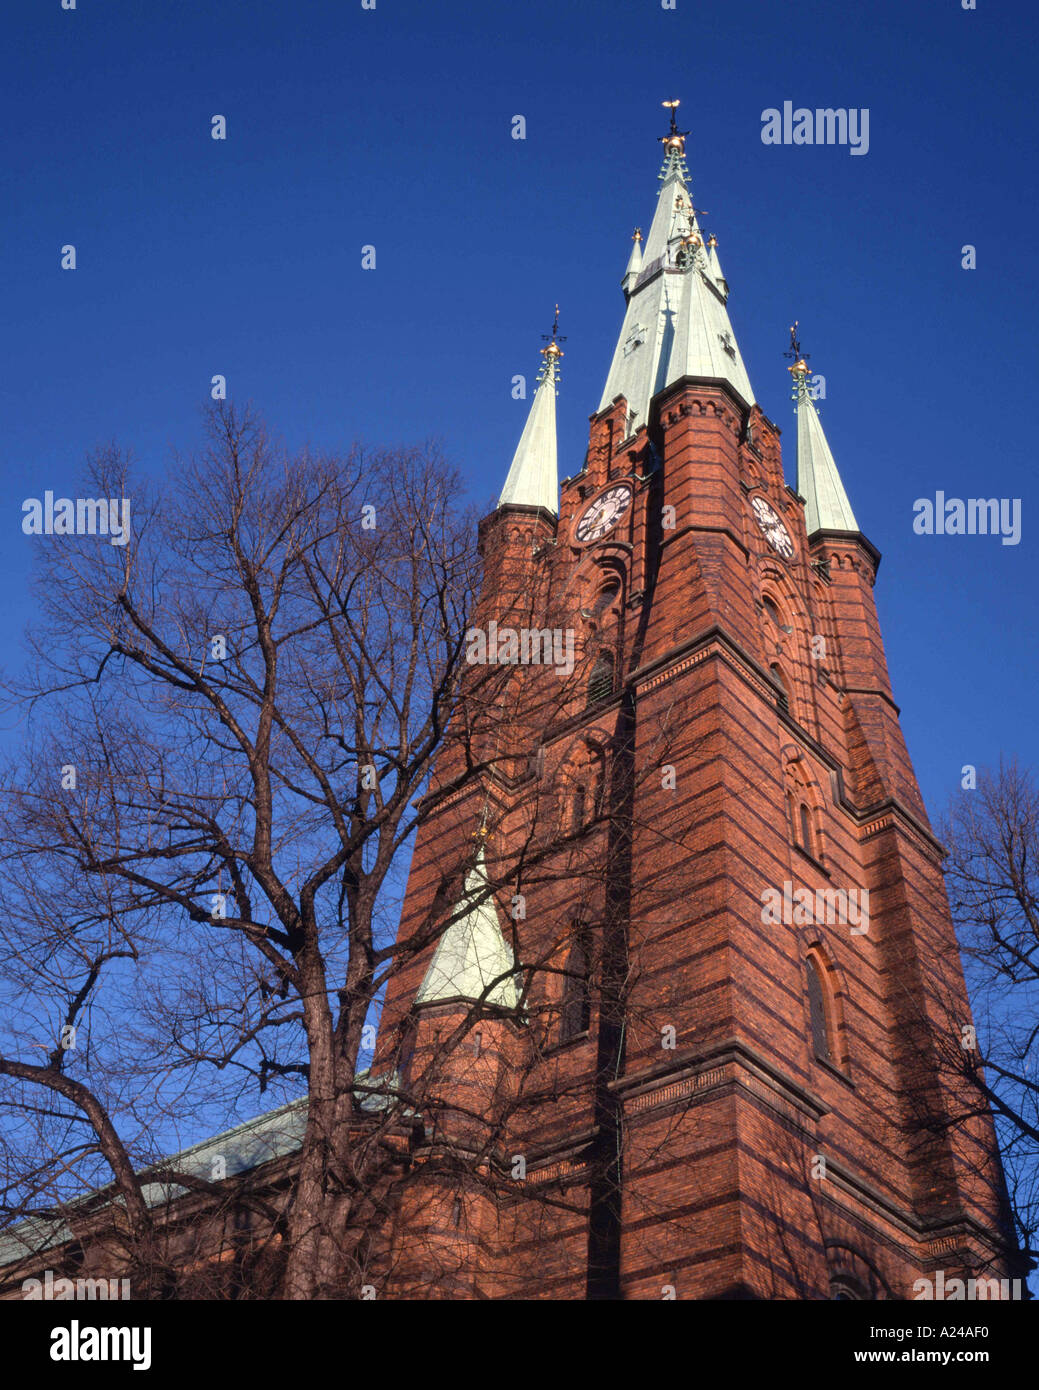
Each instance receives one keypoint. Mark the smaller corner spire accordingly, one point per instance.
(634, 266)
(533, 479)
(472, 960)
(827, 507)
(715, 266)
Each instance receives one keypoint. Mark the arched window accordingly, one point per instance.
(772, 609)
(606, 597)
(600, 682)
(805, 827)
(577, 996)
(580, 788)
(853, 1278)
(784, 697)
(845, 1290)
(817, 1013)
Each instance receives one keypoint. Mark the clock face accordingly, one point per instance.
(602, 514)
(772, 528)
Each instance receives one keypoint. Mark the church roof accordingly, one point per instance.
(826, 503)
(241, 1149)
(472, 952)
(533, 479)
(676, 323)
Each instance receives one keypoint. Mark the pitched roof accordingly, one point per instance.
(244, 1147)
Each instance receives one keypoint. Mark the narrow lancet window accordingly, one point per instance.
(577, 1001)
(817, 1012)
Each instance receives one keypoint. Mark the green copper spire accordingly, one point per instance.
(634, 266)
(826, 503)
(472, 953)
(533, 479)
(676, 323)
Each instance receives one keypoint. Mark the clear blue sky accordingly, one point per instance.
(392, 127)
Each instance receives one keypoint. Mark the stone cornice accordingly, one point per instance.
(733, 1060)
(685, 1073)
(715, 642)
(664, 397)
(820, 539)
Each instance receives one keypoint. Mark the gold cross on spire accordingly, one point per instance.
(800, 368)
(675, 138)
(553, 339)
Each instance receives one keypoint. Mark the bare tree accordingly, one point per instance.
(229, 720)
(992, 835)
(231, 730)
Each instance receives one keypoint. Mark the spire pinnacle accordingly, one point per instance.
(533, 479)
(800, 368)
(677, 323)
(634, 266)
(674, 147)
(826, 503)
(553, 352)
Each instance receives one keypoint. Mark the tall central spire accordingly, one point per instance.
(676, 322)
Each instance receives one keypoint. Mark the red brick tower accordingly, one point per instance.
(685, 1015)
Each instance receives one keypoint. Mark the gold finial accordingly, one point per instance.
(800, 368)
(553, 339)
(637, 235)
(675, 138)
(712, 240)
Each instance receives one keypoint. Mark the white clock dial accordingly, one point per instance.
(602, 514)
(772, 528)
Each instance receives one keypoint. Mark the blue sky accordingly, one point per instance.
(392, 127)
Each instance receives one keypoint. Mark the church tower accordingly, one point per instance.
(682, 1012)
